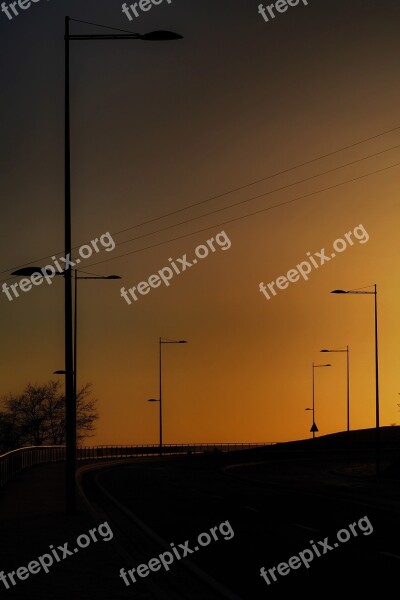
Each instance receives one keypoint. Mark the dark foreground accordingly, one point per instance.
(258, 509)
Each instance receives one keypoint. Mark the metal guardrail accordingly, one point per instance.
(123, 451)
(15, 461)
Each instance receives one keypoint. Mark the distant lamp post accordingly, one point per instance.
(314, 427)
(348, 380)
(28, 272)
(364, 291)
(75, 337)
(162, 341)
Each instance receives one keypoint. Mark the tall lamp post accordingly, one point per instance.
(70, 416)
(75, 351)
(28, 272)
(314, 427)
(364, 291)
(347, 379)
(162, 341)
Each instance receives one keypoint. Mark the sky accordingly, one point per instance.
(162, 135)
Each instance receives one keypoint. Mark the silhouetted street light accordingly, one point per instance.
(28, 272)
(314, 427)
(69, 379)
(161, 342)
(70, 418)
(361, 291)
(75, 350)
(348, 380)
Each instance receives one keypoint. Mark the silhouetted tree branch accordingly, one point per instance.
(37, 416)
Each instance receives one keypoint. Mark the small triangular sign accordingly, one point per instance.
(314, 428)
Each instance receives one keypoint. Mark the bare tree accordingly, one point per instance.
(37, 416)
(86, 412)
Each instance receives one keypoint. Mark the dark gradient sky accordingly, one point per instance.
(156, 127)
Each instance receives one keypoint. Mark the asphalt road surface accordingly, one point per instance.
(276, 509)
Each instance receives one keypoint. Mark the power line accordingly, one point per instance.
(257, 212)
(43, 258)
(237, 189)
(284, 187)
(268, 208)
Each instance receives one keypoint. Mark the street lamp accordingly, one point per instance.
(75, 350)
(348, 380)
(162, 341)
(314, 427)
(28, 272)
(69, 379)
(362, 291)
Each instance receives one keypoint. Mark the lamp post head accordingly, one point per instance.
(339, 292)
(153, 400)
(113, 277)
(59, 372)
(26, 271)
(308, 409)
(160, 36)
(346, 349)
(182, 342)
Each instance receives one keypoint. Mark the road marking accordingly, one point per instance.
(390, 554)
(76, 550)
(336, 545)
(253, 509)
(305, 527)
(196, 548)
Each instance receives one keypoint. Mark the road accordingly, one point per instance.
(276, 510)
